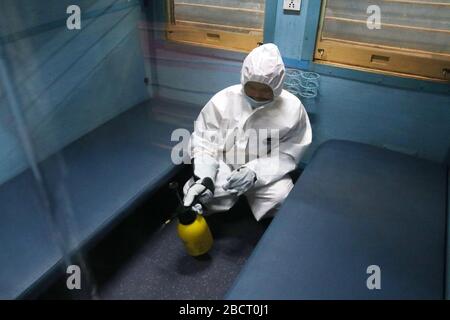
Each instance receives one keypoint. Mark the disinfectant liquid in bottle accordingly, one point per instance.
(192, 228)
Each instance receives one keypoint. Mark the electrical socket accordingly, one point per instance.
(292, 5)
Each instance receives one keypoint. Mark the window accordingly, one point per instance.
(412, 37)
(228, 24)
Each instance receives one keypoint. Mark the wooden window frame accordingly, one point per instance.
(379, 58)
(220, 39)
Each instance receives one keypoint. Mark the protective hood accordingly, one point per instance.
(264, 65)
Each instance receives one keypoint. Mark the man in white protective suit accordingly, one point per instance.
(247, 139)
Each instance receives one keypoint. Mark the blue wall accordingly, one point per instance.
(447, 289)
(67, 82)
(407, 120)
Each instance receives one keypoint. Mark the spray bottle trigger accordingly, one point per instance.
(198, 208)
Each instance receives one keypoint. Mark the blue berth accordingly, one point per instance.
(106, 172)
(354, 206)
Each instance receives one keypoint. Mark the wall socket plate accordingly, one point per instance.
(292, 5)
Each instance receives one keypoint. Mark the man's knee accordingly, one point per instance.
(266, 200)
(276, 191)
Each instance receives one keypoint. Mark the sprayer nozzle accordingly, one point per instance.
(174, 186)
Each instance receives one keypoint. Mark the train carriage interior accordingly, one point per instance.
(98, 96)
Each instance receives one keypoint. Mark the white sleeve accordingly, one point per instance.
(204, 142)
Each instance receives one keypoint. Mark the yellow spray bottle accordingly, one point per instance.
(192, 228)
(194, 231)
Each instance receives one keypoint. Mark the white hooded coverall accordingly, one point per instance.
(228, 115)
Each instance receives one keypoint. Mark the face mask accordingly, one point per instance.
(256, 104)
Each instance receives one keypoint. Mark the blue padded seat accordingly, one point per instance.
(105, 173)
(354, 206)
